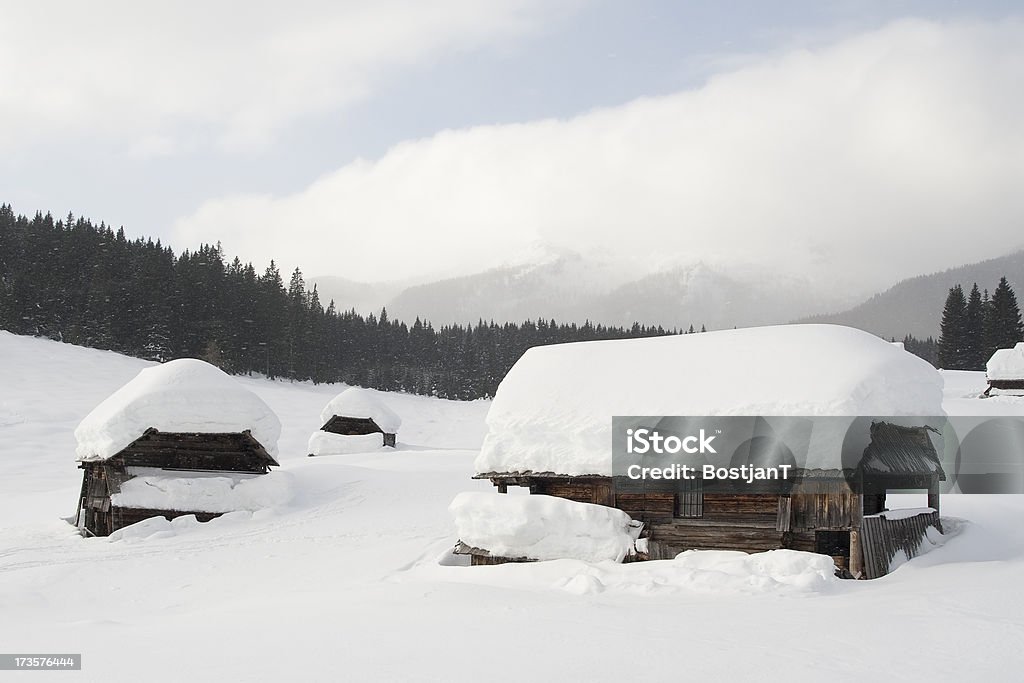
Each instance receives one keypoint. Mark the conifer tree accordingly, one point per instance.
(1004, 321)
(953, 331)
(974, 331)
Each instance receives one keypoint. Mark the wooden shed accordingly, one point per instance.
(1005, 372)
(823, 512)
(833, 507)
(181, 438)
(355, 412)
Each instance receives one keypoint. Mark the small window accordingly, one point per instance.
(690, 499)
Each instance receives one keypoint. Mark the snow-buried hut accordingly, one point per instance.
(1005, 372)
(550, 429)
(180, 438)
(355, 421)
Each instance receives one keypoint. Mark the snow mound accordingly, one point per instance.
(1006, 364)
(160, 527)
(326, 443)
(714, 572)
(205, 493)
(552, 412)
(184, 395)
(542, 527)
(362, 403)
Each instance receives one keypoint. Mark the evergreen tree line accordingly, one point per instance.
(927, 349)
(86, 284)
(975, 325)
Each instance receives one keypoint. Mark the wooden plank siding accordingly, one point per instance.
(882, 538)
(171, 452)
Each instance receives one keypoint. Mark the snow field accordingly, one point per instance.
(352, 579)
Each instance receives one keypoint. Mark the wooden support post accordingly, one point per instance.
(856, 555)
(933, 494)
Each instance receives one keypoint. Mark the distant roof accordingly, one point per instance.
(362, 403)
(184, 395)
(1006, 363)
(552, 412)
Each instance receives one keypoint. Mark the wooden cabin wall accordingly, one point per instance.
(729, 521)
(122, 517)
(1006, 383)
(597, 490)
(668, 539)
(170, 452)
(837, 510)
(731, 505)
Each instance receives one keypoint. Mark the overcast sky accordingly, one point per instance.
(860, 142)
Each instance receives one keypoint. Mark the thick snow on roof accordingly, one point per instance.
(363, 403)
(1006, 363)
(542, 527)
(552, 412)
(184, 395)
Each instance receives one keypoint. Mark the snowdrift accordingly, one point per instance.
(184, 395)
(542, 527)
(162, 490)
(326, 443)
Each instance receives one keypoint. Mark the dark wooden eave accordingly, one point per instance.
(154, 443)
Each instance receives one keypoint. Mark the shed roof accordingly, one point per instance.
(364, 404)
(552, 412)
(181, 396)
(897, 449)
(1006, 364)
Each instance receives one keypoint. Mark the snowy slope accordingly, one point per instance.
(344, 582)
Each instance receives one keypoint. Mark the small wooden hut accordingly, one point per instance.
(355, 412)
(550, 429)
(181, 438)
(1005, 372)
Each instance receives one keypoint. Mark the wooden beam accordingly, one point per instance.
(856, 555)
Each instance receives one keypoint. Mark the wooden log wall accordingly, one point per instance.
(123, 517)
(666, 540)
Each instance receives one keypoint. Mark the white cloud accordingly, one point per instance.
(885, 154)
(138, 72)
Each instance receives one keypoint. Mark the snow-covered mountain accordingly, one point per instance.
(569, 287)
(914, 306)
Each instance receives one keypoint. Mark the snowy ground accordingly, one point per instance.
(344, 583)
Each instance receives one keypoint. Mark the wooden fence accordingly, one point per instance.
(882, 538)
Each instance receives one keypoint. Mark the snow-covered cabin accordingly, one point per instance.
(355, 421)
(180, 438)
(1005, 372)
(550, 429)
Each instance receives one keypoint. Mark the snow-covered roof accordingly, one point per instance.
(553, 411)
(184, 395)
(362, 403)
(1006, 364)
